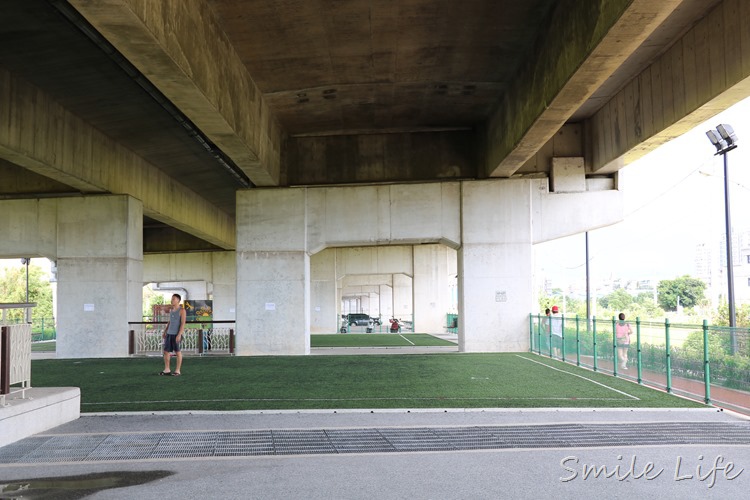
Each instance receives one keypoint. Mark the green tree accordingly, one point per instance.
(151, 299)
(13, 289)
(718, 343)
(572, 306)
(742, 311)
(619, 300)
(644, 298)
(689, 290)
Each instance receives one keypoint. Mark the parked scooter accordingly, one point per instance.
(395, 325)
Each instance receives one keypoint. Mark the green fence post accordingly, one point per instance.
(593, 321)
(706, 365)
(562, 339)
(668, 356)
(638, 348)
(539, 336)
(614, 346)
(578, 342)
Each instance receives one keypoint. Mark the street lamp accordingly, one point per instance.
(724, 140)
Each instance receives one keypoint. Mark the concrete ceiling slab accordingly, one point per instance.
(331, 65)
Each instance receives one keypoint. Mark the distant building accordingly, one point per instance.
(711, 267)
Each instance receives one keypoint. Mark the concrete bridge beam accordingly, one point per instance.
(181, 48)
(583, 45)
(705, 72)
(40, 135)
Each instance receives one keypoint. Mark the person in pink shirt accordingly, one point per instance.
(622, 333)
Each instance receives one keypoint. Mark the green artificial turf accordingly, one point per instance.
(308, 382)
(377, 340)
(44, 346)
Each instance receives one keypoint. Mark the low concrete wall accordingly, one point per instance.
(43, 409)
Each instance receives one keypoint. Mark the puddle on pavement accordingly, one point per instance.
(74, 487)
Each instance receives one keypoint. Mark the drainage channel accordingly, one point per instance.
(207, 444)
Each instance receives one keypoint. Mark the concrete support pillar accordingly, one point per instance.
(403, 307)
(273, 273)
(224, 267)
(431, 299)
(386, 302)
(495, 266)
(99, 273)
(374, 300)
(324, 295)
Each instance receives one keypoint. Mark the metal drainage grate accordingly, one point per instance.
(145, 446)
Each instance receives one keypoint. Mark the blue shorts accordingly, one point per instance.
(171, 344)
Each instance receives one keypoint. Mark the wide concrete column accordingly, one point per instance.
(386, 302)
(495, 266)
(224, 267)
(99, 274)
(324, 300)
(430, 288)
(273, 273)
(403, 306)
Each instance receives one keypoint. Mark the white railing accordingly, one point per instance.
(15, 360)
(199, 338)
(15, 352)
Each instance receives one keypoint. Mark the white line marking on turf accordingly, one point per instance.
(409, 341)
(581, 376)
(342, 399)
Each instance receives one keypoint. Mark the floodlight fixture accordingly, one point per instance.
(716, 140)
(727, 133)
(723, 138)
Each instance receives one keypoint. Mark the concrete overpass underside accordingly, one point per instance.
(273, 131)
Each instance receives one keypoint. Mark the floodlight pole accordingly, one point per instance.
(724, 140)
(25, 261)
(588, 285)
(730, 262)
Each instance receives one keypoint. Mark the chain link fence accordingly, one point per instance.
(704, 362)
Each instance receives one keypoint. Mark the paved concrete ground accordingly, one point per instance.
(507, 473)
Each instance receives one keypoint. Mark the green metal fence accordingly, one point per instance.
(451, 323)
(709, 363)
(41, 328)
